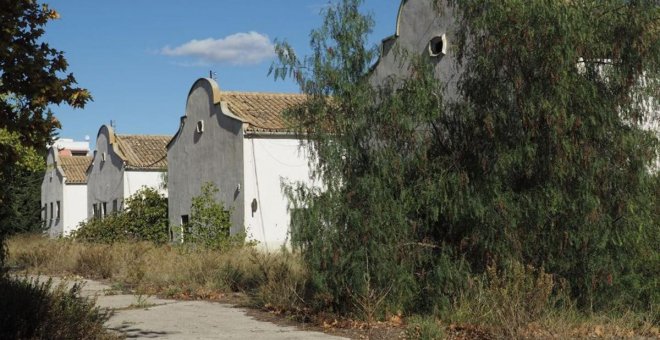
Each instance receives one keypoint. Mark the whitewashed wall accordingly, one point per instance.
(268, 162)
(74, 207)
(135, 180)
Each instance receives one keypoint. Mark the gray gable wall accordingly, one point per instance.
(105, 179)
(52, 191)
(417, 24)
(215, 155)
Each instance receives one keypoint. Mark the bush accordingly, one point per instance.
(528, 159)
(36, 310)
(143, 219)
(210, 222)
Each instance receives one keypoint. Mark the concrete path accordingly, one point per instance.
(141, 317)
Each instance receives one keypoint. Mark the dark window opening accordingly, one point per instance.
(185, 227)
(437, 46)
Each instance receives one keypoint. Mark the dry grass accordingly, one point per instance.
(521, 302)
(525, 302)
(271, 279)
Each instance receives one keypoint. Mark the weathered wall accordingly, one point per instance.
(417, 24)
(215, 155)
(136, 180)
(105, 179)
(270, 163)
(74, 207)
(51, 192)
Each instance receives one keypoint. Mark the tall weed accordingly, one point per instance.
(30, 309)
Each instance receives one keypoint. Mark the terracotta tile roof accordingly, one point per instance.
(75, 168)
(143, 152)
(262, 111)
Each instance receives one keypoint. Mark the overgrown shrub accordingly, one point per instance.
(210, 222)
(282, 282)
(510, 298)
(30, 309)
(538, 158)
(144, 218)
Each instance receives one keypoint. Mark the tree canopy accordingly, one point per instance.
(540, 160)
(32, 77)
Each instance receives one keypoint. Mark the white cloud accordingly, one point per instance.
(237, 49)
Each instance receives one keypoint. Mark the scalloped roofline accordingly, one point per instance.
(56, 162)
(216, 93)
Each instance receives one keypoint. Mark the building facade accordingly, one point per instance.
(239, 142)
(64, 187)
(122, 165)
(423, 30)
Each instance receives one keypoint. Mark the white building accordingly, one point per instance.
(240, 142)
(64, 188)
(122, 165)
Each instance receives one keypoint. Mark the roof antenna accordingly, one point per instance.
(113, 124)
(213, 75)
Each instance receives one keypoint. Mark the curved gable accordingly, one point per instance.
(422, 29)
(105, 141)
(202, 98)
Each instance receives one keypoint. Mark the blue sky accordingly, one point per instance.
(140, 57)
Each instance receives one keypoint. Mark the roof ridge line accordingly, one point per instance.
(140, 135)
(262, 93)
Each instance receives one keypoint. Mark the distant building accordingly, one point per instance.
(240, 142)
(422, 31)
(69, 146)
(121, 165)
(64, 188)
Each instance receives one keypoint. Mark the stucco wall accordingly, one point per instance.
(135, 180)
(105, 179)
(74, 208)
(215, 155)
(51, 192)
(417, 24)
(270, 163)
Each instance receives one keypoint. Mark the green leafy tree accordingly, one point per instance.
(210, 222)
(32, 77)
(146, 216)
(540, 159)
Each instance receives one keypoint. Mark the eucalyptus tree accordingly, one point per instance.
(540, 158)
